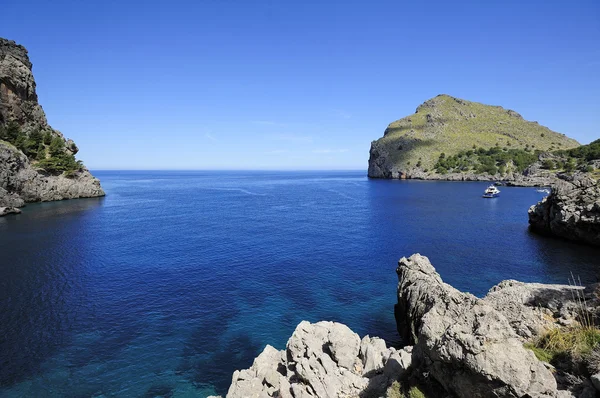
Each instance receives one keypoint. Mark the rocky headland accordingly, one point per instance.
(452, 139)
(37, 163)
(571, 211)
(455, 345)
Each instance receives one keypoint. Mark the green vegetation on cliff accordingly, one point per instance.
(45, 151)
(502, 160)
(453, 126)
(491, 161)
(587, 152)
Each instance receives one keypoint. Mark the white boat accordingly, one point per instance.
(491, 192)
(546, 191)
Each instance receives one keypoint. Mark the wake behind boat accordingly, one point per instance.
(491, 192)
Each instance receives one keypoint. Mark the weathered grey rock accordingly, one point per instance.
(531, 308)
(467, 345)
(10, 199)
(9, 210)
(571, 211)
(262, 379)
(17, 87)
(20, 180)
(596, 381)
(325, 359)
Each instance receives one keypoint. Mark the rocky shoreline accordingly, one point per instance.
(22, 179)
(456, 345)
(571, 211)
(531, 177)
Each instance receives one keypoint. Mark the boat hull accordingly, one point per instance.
(490, 195)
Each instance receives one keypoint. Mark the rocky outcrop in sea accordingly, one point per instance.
(455, 345)
(571, 211)
(21, 180)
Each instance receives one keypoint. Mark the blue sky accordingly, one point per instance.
(223, 84)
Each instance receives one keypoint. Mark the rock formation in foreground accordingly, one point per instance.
(324, 359)
(571, 211)
(445, 126)
(457, 346)
(36, 162)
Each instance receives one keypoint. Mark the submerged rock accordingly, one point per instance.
(571, 211)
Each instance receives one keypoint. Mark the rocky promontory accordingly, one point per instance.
(37, 163)
(449, 138)
(571, 211)
(455, 345)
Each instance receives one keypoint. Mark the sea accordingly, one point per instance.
(176, 278)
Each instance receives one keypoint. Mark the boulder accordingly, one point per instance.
(532, 308)
(464, 343)
(571, 211)
(9, 210)
(324, 359)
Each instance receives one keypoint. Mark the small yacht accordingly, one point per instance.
(545, 190)
(491, 192)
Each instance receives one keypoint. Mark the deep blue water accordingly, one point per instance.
(175, 279)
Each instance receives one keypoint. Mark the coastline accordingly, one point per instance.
(454, 343)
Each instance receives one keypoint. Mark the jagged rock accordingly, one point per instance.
(262, 379)
(596, 380)
(325, 359)
(463, 346)
(10, 199)
(20, 180)
(466, 345)
(17, 87)
(571, 211)
(9, 210)
(531, 308)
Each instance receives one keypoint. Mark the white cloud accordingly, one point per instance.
(210, 137)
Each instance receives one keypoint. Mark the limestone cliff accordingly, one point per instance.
(445, 126)
(36, 162)
(571, 211)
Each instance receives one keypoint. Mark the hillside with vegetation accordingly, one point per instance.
(46, 151)
(448, 134)
(37, 163)
(499, 161)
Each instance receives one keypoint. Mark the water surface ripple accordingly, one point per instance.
(175, 279)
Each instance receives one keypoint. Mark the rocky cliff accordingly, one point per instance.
(445, 126)
(571, 211)
(457, 345)
(36, 162)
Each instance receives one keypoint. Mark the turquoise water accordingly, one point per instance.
(175, 279)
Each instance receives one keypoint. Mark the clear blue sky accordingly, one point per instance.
(295, 84)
